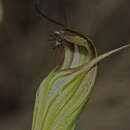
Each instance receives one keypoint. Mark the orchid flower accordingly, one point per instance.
(63, 94)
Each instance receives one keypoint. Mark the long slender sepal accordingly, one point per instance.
(96, 60)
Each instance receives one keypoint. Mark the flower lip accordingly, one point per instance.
(58, 36)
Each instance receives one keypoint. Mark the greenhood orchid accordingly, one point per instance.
(65, 91)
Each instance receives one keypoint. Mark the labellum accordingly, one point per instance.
(65, 91)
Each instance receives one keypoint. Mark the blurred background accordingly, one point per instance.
(26, 57)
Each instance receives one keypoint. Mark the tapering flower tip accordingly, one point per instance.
(63, 93)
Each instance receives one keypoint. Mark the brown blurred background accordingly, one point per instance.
(26, 57)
